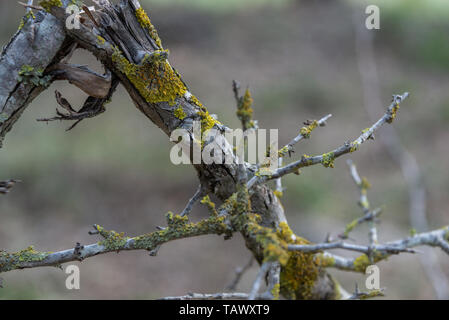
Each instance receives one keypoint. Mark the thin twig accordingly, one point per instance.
(196, 197)
(260, 277)
(210, 296)
(327, 159)
(239, 272)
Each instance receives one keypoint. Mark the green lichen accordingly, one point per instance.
(154, 78)
(30, 75)
(349, 227)
(328, 160)
(18, 260)
(48, 4)
(180, 228)
(176, 221)
(113, 241)
(145, 22)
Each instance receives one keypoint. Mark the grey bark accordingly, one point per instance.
(36, 44)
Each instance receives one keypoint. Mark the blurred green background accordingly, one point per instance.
(299, 60)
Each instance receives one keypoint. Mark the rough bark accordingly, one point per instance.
(36, 44)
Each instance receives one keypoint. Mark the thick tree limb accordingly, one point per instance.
(37, 44)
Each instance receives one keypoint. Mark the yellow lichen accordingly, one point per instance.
(275, 291)
(393, 113)
(145, 22)
(245, 110)
(282, 152)
(299, 274)
(195, 101)
(25, 18)
(48, 4)
(100, 40)
(354, 146)
(307, 130)
(179, 113)
(278, 193)
(154, 78)
(210, 205)
(363, 261)
(328, 160)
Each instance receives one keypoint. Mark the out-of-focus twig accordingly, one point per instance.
(405, 160)
(239, 272)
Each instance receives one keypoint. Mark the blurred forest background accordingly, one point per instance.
(299, 60)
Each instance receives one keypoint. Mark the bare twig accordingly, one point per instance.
(200, 192)
(274, 278)
(239, 272)
(30, 5)
(260, 277)
(212, 296)
(369, 216)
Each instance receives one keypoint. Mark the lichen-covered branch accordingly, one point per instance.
(178, 228)
(437, 238)
(327, 159)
